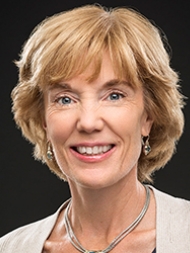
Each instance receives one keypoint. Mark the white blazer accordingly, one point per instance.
(172, 229)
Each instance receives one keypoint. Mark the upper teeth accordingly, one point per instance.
(93, 150)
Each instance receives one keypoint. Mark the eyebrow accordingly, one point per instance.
(114, 82)
(67, 86)
(59, 86)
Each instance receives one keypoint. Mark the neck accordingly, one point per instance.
(95, 212)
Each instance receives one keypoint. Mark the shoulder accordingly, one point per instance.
(174, 204)
(29, 238)
(172, 223)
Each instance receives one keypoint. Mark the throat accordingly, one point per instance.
(114, 241)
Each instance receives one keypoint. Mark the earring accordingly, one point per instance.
(146, 145)
(49, 152)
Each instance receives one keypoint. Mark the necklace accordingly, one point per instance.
(120, 237)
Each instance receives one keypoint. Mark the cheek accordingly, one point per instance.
(58, 127)
(129, 129)
(128, 123)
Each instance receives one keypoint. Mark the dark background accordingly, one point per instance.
(28, 191)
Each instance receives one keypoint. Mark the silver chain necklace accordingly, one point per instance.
(120, 237)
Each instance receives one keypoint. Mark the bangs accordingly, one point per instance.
(72, 51)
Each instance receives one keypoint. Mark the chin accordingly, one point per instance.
(94, 181)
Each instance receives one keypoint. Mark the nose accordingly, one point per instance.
(90, 119)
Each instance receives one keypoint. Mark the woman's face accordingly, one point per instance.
(95, 128)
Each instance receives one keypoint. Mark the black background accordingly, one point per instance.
(28, 191)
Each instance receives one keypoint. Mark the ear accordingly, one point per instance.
(43, 113)
(44, 126)
(146, 124)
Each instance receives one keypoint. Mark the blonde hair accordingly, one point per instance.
(63, 46)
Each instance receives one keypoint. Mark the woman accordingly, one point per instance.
(98, 99)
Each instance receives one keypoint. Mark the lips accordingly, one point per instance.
(95, 150)
(89, 153)
(88, 150)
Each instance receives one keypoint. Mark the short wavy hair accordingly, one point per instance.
(64, 45)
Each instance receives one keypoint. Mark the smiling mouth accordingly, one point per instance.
(96, 150)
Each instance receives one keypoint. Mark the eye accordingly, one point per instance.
(115, 96)
(65, 100)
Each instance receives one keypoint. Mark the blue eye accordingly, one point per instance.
(115, 96)
(65, 100)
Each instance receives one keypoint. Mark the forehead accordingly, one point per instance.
(101, 69)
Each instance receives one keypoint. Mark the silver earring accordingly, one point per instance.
(49, 152)
(146, 145)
